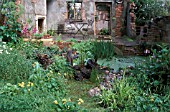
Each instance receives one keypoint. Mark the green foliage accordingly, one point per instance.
(14, 66)
(146, 91)
(39, 94)
(60, 65)
(11, 27)
(84, 50)
(31, 49)
(152, 102)
(44, 93)
(34, 100)
(102, 49)
(94, 77)
(126, 95)
(147, 9)
(104, 31)
(38, 35)
(154, 71)
(119, 97)
(51, 32)
(66, 105)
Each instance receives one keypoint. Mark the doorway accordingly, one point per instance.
(40, 25)
(102, 18)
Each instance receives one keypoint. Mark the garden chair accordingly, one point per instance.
(89, 27)
(69, 28)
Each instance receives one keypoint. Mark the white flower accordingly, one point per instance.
(4, 46)
(7, 52)
(10, 49)
(1, 51)
(4, 42)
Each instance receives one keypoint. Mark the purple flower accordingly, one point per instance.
(34, 30)
(25, 29)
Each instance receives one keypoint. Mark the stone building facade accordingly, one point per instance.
(49, 14)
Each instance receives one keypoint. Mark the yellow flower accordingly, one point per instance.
(55, 102)
(51, 71)
(69, 100)
(48, 74)
(21, 84)
(33, 64)
(152, 99)
(59, 73)
(64, 101)
(80, 101)
(65, 74)
(29, 90)
(30, 84)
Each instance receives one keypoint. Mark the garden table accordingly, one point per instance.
(79, 26)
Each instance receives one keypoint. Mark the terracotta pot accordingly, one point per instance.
(59, 43)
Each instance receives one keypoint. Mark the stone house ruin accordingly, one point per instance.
(105, 15)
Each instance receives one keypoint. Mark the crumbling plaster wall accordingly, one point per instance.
(57, 12)
(33, 10)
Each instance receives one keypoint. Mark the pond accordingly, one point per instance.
(120, 62)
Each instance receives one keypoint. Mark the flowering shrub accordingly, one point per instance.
(28, 32)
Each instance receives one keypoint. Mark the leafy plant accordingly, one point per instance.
(102, 49)
(152, 102)
(51, 32)
(145, 10)
(84, 51)
(104, 31)
(38, 35)
(154, 71)
(11, 27)
(60, 65)
(94, 77)
(119, 97)
(62, 105)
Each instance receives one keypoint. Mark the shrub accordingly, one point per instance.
(153, 73)
(31, 49)
(14, 66)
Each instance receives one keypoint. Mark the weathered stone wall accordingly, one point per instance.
(158, 30)
(33, 10)
(57, 12)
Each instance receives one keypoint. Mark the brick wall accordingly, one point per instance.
(120, 20)
(119, 12)
(156, 31)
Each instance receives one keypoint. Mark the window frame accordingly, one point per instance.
(74, 18)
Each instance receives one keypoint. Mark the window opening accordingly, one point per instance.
(74, 10)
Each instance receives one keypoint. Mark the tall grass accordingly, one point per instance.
(102, 49)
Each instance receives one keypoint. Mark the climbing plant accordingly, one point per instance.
(10, 26)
